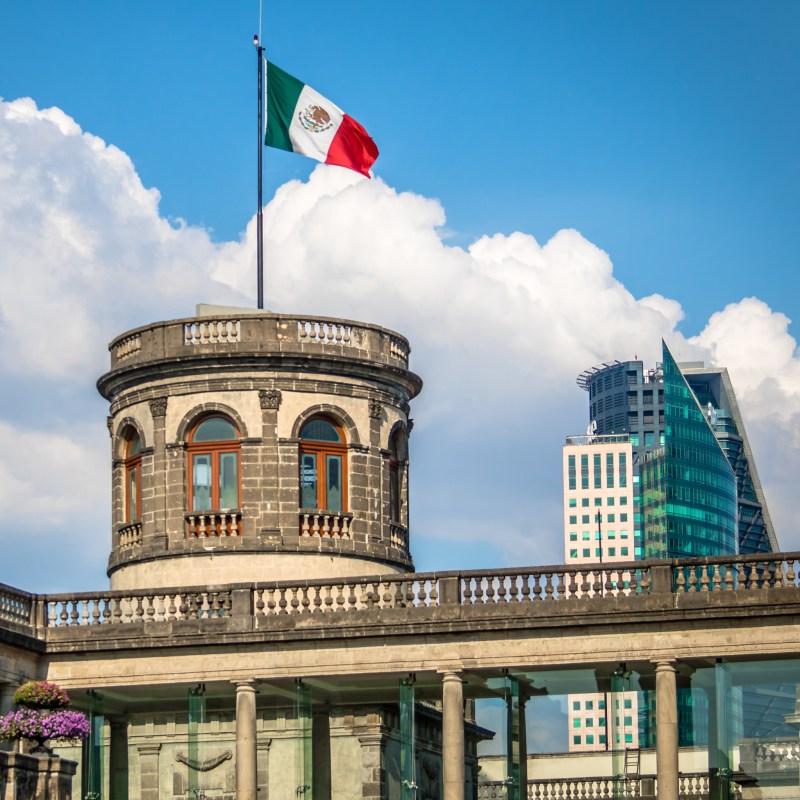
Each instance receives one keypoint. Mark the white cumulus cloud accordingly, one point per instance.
(499, 329)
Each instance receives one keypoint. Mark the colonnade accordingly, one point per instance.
(453, 750)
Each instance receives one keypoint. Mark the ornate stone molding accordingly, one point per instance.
(158, 407)
(270, 398)
(375, 408)
(207, 764)
(110, 425)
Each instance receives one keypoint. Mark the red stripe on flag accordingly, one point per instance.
(352, 147)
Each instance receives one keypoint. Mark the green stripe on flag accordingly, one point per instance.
(282, 93)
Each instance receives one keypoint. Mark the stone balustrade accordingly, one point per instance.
(214, 524)
(111, 608)
(325, 524)
(259, 334)
(16, 607)
(347, 594)
(398, 536)
(129, 535)
(690, 787)
(584, 586)
(768, 757)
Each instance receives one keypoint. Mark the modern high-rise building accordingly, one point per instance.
(626, 398)
(598, 526)
(696, 490)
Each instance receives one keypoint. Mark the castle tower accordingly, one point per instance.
(250, 446)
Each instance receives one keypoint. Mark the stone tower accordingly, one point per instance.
(250, 446)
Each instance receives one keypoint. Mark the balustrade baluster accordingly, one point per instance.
(692, 580)
(315, 526)
(752, 578)
(351, 598)
(704, 577)
(74, 615)
(489, 592)
(777, 575)
(716, 579)
(466, 590)
(433, 593)
(501, 589)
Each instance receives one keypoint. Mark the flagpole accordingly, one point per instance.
(259, 214)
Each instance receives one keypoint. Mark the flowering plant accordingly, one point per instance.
(29, 723)
(41, 694)
(43, 715)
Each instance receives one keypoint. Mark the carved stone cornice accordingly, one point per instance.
(270, 398)
(158, 407)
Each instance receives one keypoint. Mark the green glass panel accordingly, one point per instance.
(320, 430)
(334, 483)
(303, 752)
(215, 429)
(197, 719)
(571, 471)
(228, 480)
(308, 480)
(513, 751)
(93, 787)
(201, 482)
(408, 759)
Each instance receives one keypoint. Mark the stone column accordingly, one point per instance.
(246, 763)
(666, 730)
(148, 770)
(118, 758)
(154, 488)
(453, 735)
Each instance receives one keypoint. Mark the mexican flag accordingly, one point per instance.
(303, 121)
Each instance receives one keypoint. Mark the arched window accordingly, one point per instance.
(214, 465)
(323, 465)
(397, 456)
(133, 478)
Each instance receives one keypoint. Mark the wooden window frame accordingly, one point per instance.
(215, 450)
(319, 450)
(133, 463)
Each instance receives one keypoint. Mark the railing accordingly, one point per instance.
(15, 607)
(769, 756)
(129, 535)
(259, 333)
(112, 608)
(580, 587)
(347, 595)
(127, 346)
(555, 583)
(398, 536)
(325, 332)
(325, 524)
(692, 786)
(212, 331)
(729, 573)
(214, 524)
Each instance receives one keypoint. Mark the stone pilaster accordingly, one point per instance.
(118, 758)
(154, 480)
(666, 730)
(453, 735)
(148, 768)
(269, 524)
(246, 761)
(373, 769)
(262, 767)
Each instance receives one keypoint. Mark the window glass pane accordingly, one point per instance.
(228, 480)
(308, 480)
(334, 485)
(133, 499)
(571, 471)
(201, 482)
(320, 430)
(134, 446)
(215, 429)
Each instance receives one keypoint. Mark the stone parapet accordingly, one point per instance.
(44, 777)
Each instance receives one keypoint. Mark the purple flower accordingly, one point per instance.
(28, 723)
(41, 694)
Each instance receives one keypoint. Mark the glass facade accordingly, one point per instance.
(688, 488)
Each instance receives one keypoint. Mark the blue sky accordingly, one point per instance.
(664, 133)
